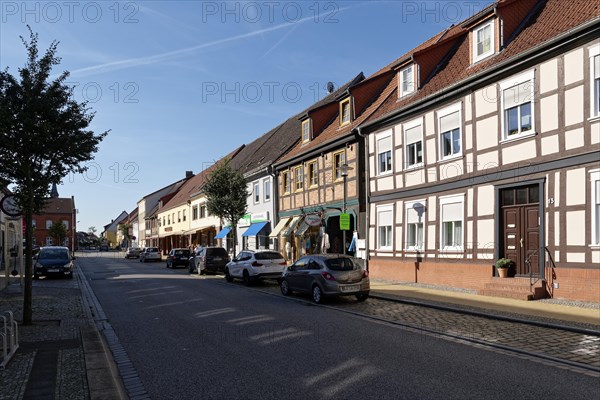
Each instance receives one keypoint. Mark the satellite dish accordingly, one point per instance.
(330, 87)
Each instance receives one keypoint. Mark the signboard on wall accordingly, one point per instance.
(344, 222)
(312, 219)
(259, 217)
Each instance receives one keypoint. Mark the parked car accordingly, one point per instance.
(251, 265)
(133, 252)
(53, 260)
(150, 254)
(325, 275)
(209, 260)
(178, 257)
(103, 247)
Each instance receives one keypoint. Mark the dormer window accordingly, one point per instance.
(345, 111)
(306, 131)
(407, 81)
(483, 41)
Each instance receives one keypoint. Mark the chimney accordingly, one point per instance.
(189, 174)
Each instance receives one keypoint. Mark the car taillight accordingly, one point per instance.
(365, 274)
(328, 276)
(256, 264)
(283, 263)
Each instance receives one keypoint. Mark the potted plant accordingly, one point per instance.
(502, 265)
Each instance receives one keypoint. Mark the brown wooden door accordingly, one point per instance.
(521, 237)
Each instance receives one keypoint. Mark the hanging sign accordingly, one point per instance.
(344, 222)
(312, 219)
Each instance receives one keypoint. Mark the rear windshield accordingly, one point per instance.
(268, 255)
(152, 249)
(340, 264)
(219, 252)
(182, 252)
(54, 254)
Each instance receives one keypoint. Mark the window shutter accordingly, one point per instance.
(517, 94)
(452, 212)
(597, 192)
(597, 67)
(449, 122)
(384, 144)
(413, 134)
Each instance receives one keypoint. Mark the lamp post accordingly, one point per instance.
(73, 231)
(345, 169)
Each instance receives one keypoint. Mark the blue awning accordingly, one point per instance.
(223, 233)
(255, 228)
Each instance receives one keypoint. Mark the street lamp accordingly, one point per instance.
(345, 169)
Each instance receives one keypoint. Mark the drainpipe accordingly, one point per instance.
(368, 206)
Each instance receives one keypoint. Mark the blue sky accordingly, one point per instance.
(182, 83)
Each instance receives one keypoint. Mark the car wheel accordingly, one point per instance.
(36, 276)
(228, 277)
(246, 278)
(285, 288)
(362, 296)
(70, 276)
(167, 265)
(317, 294)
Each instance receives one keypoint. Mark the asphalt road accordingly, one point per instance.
(192, 337)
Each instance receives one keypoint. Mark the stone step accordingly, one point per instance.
(514, 292)
(507, 294)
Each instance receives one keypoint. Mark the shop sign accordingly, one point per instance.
(259, 217)
(169, 229)
(245, 220)
(344, 222)
(313, 219)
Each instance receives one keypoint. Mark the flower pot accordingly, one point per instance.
(503, 272)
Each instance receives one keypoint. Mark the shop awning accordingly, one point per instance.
(292, 225)
(223, 233)
(302, 228)
(255, 228)
(279, 227)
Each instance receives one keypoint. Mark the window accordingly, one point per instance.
(267, 184)
(285, 182)
(595, 188)
(194, 213)
(168, 220)
(384, 227)
(339, 159)
(178, 216)
(66, 224)
(203, 213)
(33, 223)
(306, 131)
(595, 79)
(452, 222)
(413, 134)
(517, 103)
(163, 224)
(256, 192)
(384, 153)
(183, 215)
(450, 132)
(415, 217)
(313, 177)
(483, 41)
(299, 178)
(48, 223)
(407, 81)
(345, 111)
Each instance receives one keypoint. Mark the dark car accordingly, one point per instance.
(178, 257)
(209, 260)
(53, 261)
(324, 275)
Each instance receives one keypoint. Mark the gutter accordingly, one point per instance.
(588, 31)
(366, 183)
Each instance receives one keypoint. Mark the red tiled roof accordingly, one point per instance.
(553, 18)
(58, 205)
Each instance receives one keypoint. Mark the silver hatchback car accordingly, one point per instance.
(324, 275)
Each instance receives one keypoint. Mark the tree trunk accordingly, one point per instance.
(28, 290)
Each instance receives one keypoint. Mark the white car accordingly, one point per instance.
(150, 254)
(251, 265)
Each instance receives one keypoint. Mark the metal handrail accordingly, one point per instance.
(528, 263)
(10, 338)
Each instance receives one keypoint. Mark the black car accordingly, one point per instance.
(53, 260)
(178, 257)
(209, 260)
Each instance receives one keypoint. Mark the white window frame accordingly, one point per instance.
(407, 207)
(595, 180)
(478, 57)
(49, 223)
(267, 189)
(65, 223)
(316, 174)
(410, 70)
(389, 245)
(33, 223)
(202, 211)
(441, 114)
(508, 84)
(256, 192)
(306, 131)
(454, 199)
(298, 178)
(387, 135)
(409, 125)
(195, 212)
(183, 215)
(594, 51)
(344, 103)
(286, 182)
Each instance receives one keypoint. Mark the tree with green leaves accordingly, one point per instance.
(125, 232)
(58, 232)
(227, 194)
(44, 136)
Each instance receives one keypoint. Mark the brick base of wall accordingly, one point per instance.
(574, 283)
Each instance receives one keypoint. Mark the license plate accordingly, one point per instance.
(52, 270)
(350, 288)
